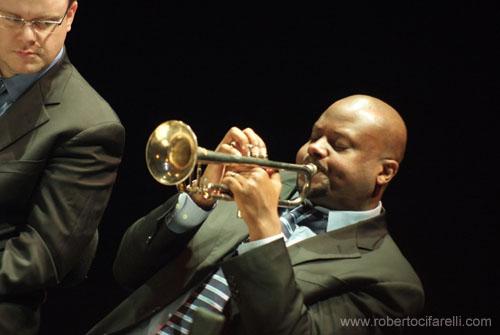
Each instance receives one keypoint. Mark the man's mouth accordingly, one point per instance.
(320, 167)
(26, 53)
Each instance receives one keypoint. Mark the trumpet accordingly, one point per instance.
(172, 153)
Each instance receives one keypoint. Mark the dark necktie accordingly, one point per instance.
(3, 98)
(214, 293)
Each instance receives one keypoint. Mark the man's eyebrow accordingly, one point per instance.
(41, 17)
(9, 13)
(315, 127)
(340, 134)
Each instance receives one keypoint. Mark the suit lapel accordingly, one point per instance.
(342, 243)
(26, 114)
(29, 112)
(333, 245)
(225, 231)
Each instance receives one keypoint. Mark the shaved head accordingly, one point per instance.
(383, 118)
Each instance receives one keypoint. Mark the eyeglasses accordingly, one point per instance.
(39, 25)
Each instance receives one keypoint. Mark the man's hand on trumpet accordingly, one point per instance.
(236, 142)
(256, 193)
(255, 189)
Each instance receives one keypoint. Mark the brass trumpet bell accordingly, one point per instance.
(171, 152)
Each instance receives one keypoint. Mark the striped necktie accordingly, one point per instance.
(214, 293)
(4, 103)
(303, 215)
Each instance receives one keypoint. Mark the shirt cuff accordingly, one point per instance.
(187, 215)
(247, 246)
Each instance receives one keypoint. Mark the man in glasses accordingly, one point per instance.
(60, 146)
(328, 266)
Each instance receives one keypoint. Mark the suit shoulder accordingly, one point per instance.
(87, 99)
(390, 264)
(70, 93)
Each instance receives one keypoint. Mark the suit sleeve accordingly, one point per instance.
(263, 286)
(148, 245)
(64, 211)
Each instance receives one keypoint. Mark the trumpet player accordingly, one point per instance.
(197, 268)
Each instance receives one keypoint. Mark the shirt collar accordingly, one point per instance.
(338, 219)
(18, 84)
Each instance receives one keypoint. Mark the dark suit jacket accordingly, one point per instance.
(354, 272)
(60, 146)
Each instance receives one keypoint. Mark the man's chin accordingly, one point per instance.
(317, 188)
(27, 67)
(317, 192)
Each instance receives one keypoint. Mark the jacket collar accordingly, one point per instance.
(342, 243)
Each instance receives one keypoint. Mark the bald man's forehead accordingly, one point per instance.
(359, 114)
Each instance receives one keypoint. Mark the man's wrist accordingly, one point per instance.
(264, 229)
(187, 214)
(202, 202)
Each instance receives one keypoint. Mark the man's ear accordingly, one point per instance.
(70, 16)
(389, 169)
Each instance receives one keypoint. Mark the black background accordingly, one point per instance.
(275, 68)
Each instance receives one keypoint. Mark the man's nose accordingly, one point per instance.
(317, 149)
(28, 31)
